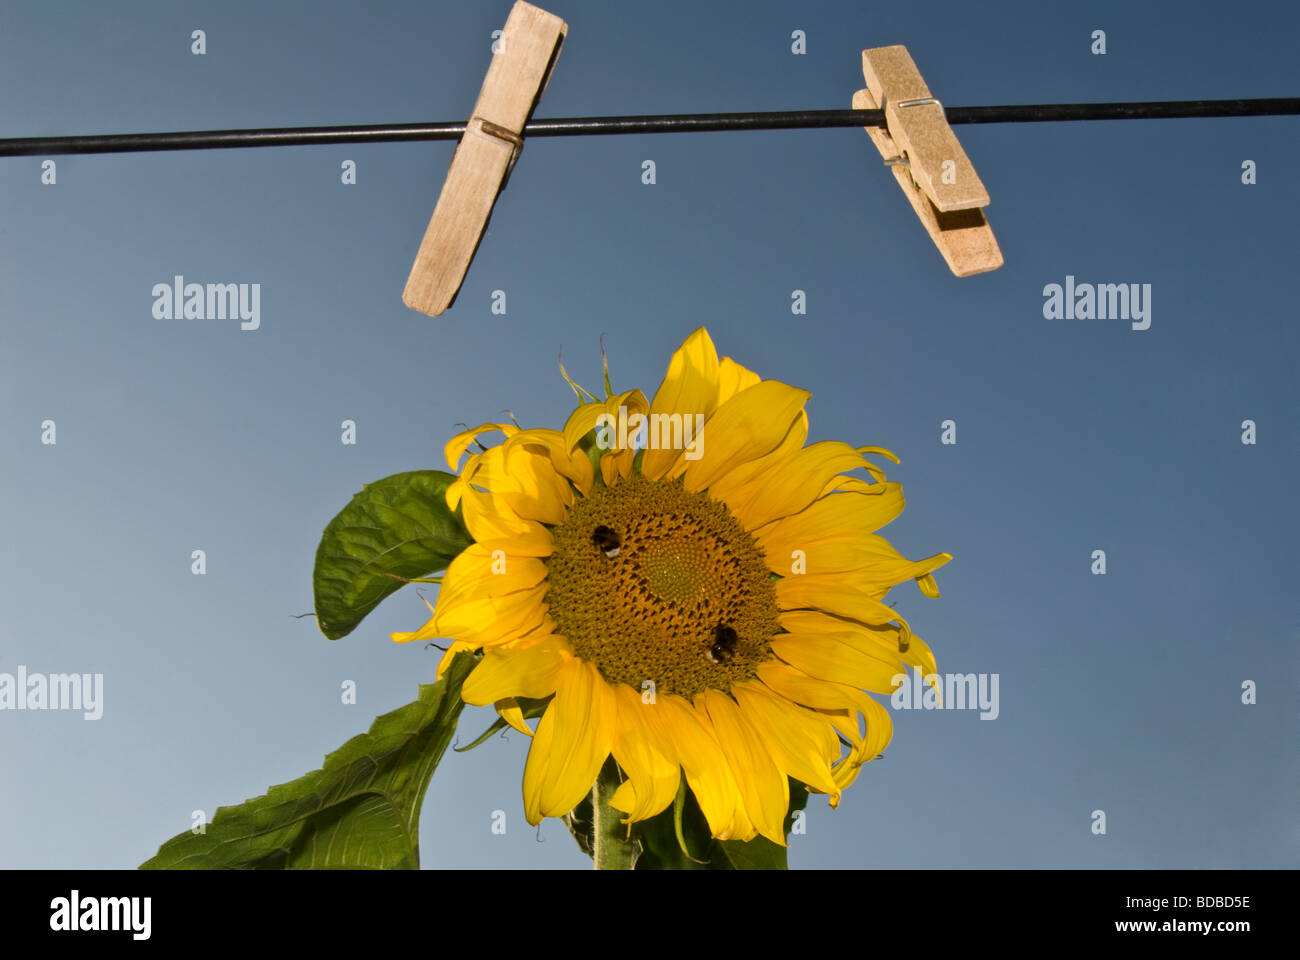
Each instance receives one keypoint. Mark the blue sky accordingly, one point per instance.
(1119, 692)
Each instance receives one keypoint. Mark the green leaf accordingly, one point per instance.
(360, 810)
(396, 529)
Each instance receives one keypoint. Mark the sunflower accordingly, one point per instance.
(699, 602)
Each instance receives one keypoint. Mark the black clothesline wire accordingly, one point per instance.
(668, 123)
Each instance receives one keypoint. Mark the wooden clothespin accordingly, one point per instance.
(529, 46)
(928, 162)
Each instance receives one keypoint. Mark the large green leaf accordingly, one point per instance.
(360, 810)
(395, 529)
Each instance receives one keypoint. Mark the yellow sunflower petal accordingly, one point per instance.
(408, 637)
(531, 671)
(929, 586)
(878, 641)
(458, 444)
(866, 560)
(450, 654)
(880, 451)
(509, 711)
(536, 543)
(733, 378)
(855, 484)
(690, 386)
(749, 425)
(489, 518)
(524, 477)
(834, 517)
(829, 593)
(829, 658)
(572, 466)
(803, 477)
(645, 752)
(855, 593)
(482, 572)
(879, 731)
(581, 422)
(802, 742)
(736, 486)
(488, 621)
(616, 464)
(571, 743)
(823, 695)
(763, 788)
(708, 773)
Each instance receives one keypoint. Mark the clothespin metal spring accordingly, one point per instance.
(501, 133)
(902, 160)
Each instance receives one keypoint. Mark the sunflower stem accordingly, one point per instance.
(611, 850)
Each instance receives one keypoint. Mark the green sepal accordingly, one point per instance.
(584, 395)
(531, 709)
(581, 825)
(588, 446)
(604, 365)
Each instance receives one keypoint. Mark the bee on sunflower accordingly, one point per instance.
(708, 607)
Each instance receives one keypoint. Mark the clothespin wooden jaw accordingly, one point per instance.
(527, 50)
(928, 161)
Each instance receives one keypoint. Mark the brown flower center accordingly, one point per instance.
(650, 582)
